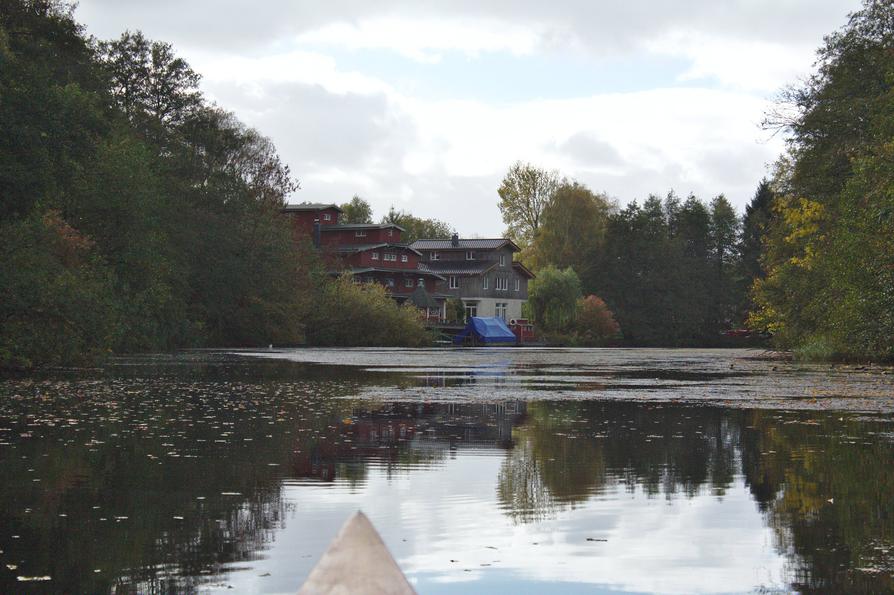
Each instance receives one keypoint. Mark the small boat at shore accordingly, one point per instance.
(357, 561)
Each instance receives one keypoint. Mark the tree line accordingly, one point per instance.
(669, 272)
(811, 261)
(135, 215)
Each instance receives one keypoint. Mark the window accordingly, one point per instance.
(359, 234)
(403, 258)
(454, 282)
(421, 282)
(517, 284)
(408, 283)
(501, 309)
(390, 232)
(389, 282)
(390, 257)
(470, 255)
(502, 283)
(434, 256)
(502, 260)
(471, 310)
(327, 217)
(484, 283)
(375, 256)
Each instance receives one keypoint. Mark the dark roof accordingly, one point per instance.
(360, 226)
(418, 271)
(523, 269)
(345, 248)
(310, 206)
(461, 267)
(465, 244)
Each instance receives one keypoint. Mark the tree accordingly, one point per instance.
(416, 227)
(524, 194)
(351, 313)
(149, 80)
(825, 258)
(724, 237)
(754, 229)
(572, 229)
(56, 297)
(356, 210)
(553, 297)
(52, 105)
(135, 216)
(594, 323)
(456, 310)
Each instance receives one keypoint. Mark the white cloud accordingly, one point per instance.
(297, 66)
(378, 129)
(425, 40)
(746, 64)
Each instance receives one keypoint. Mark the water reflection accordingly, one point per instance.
(173, 477)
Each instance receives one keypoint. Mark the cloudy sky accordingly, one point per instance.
(425, 105)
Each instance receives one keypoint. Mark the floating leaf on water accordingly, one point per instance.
(32, 579)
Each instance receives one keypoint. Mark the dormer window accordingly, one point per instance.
(359, 234)
(454, 282)
(390, 232)
(470, 255)
(434, 256)
(327, 217)
(375, 256)
(390, 257)
(502, 260)
(484, 283)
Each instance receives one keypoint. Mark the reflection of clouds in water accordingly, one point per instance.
(683, 545)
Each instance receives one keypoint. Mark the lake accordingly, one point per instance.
(484, 470)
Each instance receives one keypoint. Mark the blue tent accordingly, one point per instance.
(486, 330)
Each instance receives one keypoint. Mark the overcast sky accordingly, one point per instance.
(424, 106)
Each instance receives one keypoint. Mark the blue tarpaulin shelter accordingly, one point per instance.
(486, 330)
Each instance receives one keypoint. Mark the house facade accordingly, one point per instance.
(372, 253)
(481, 272)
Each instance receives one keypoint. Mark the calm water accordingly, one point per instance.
(491, 471)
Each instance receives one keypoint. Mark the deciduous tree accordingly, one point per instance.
(525, 192)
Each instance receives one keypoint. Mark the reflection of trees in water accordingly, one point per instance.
(125, 446)
(826, 487)
(521, 490)
(826, 484)
(568, 452)
(160, 485)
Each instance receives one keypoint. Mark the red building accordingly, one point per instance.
(372, 253)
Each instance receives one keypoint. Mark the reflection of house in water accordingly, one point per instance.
(495, 374)
(396, 434)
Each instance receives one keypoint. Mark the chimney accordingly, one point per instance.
(455, 240)
(316, 233)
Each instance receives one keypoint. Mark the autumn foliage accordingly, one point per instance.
(594, 322)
